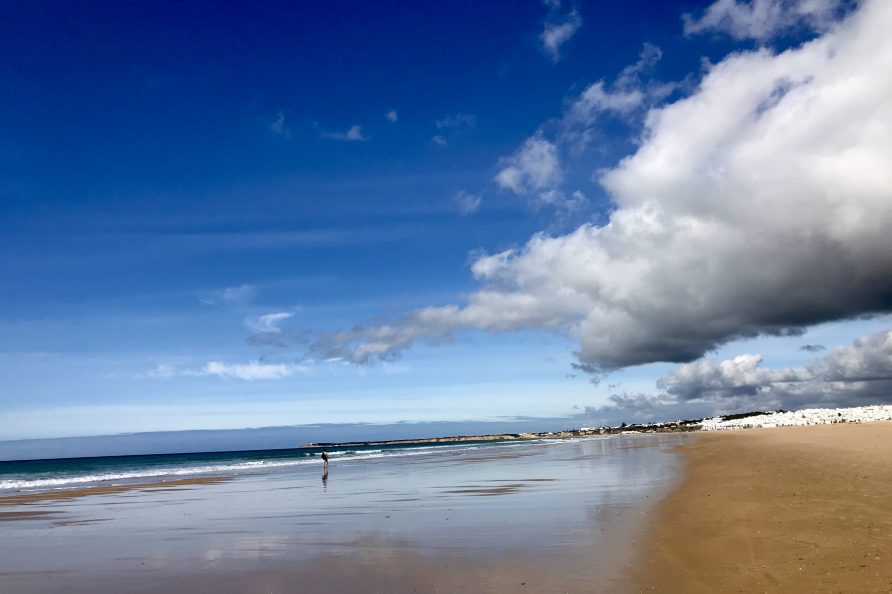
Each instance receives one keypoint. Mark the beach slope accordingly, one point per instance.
(794, 509)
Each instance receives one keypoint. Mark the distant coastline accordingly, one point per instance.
(674, 426)
(749, 420)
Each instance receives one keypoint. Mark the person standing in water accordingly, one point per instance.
(324, 465)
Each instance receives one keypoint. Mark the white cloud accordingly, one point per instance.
(254, 370)
(760, 204)
(853, 375)
(741, 376)
(268, 323)
(628, 93)
(763, 19)
(162, 371)
(353, 134)
(868, 359)
(278, 126)
(392, 116)
(459, 120)
(558, 30)
(466, 203)
(440, 140)
(535, 167)
(231, 296)
(536, 171)
(595, 100)
(250, 371)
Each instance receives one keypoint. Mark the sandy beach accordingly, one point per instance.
(175, 484)
(793, 509)
(553, 516)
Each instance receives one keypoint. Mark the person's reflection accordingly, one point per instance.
(325, 478)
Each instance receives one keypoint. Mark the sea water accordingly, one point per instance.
(30, 476)
(572, 507)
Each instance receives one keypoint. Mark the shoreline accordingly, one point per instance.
(77, 492)
(664, 427)
(550, 517)
(776, 510)
(768, 510)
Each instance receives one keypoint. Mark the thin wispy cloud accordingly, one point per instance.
(353, 134)
(536, 170)
(268, 322)
(466, 203)
(271, 240)
(250, 371)
(279, 127)
(812, 348)
(392, 116)
(559, 28)
(267, 331)
(763, 19)
(440, 140)
(230, 296)
(459, 120)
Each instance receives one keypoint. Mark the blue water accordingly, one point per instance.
(67, 473)
(561, 515)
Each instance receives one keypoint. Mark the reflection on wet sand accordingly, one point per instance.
(23, 515)
(160, 486)
(545, 517)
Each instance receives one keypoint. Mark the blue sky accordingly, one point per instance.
(197, 202)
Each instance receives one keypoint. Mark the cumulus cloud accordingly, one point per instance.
(558, 30)
(868, 359)
(466, 203)
(636, 407)
(853, 375)
(353, 134)
(763, 19)
(535, 171)
(535, 167)
(740, 376)
(759, 204)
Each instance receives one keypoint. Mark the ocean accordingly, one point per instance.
(28, 476)
(557, 514)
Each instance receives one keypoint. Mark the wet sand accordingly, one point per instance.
(794, 509)
(174, 484)
(549, 517)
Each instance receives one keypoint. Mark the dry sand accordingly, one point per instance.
(796, 509)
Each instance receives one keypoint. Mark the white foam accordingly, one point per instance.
(14, 484)
(21, 484)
